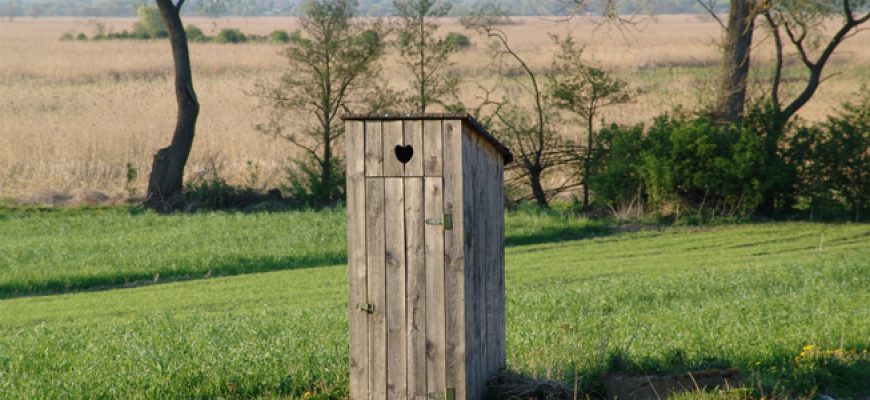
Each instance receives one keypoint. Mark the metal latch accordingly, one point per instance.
(450, 395)
(447, 221)
(366, 307)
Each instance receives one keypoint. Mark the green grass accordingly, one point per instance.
(67, 250)
(583, 300)
(56, 251)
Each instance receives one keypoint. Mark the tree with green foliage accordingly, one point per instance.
(150, 24)
(583, 90)
(424, 55)
(329, 60)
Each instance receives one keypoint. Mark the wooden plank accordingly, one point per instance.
(491, 253)
(436, 367)
(376, 265)
(356, 257)
(414, 138)
(454, 259)
(393, 136)
(482, 228)
(394, 218)
(374, 149)
(474, 224)
(501, 334)
(432, 163)
(416, 288)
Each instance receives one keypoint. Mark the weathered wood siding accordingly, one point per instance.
(437, 294)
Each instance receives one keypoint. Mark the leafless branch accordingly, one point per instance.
(709, 8)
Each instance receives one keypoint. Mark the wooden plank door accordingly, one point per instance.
(406, 328)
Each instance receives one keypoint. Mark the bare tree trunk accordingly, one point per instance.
(537, 187)
(586, 162)
(326, 171)
(167, 171)
(735, 72)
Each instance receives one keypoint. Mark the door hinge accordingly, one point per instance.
(447, 221)
(449, 395)
(366, 308)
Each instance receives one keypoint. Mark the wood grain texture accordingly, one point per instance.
(432, 150)
(436, 324)
(416, 287)
(374, 148)
(394, 217)
(471, 194)
(393, 136)
(356, 258)
(413, 131)
(501, 334)
(490, 254)
(454, 258)
(376, 266)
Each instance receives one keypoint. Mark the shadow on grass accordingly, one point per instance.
(843, 372)
(121, 280)
(560, 234)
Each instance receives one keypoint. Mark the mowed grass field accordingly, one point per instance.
(78, 115)
(787, 303)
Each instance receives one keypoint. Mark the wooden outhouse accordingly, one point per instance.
(425, 256)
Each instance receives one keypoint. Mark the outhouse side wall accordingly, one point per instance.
(483, 215)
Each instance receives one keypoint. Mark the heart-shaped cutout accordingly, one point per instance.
(404, 153)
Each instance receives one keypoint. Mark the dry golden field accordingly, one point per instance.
(74, 114)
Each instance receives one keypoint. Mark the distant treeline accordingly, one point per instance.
(127, 8)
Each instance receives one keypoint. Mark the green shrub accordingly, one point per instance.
(213, 194)
(81, 36)
(194, 34)
(149, 24)
(230, 35)
(256, 38)
(457, 40)
(67, 36)
(702, 164)
(682, 162)
(832, 160)
(280, 36)
(304, 183)
(615, 178)
(120, 35)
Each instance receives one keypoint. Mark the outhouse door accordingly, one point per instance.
(405, 279)
(400, 312)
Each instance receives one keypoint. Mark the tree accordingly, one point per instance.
(167, 171)
(425, 56)
(537, 147)
(150, 24)
(583, 90)
(800, 22)
(327, 61)
(737, 45)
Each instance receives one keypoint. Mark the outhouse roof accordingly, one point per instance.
(466, 117)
